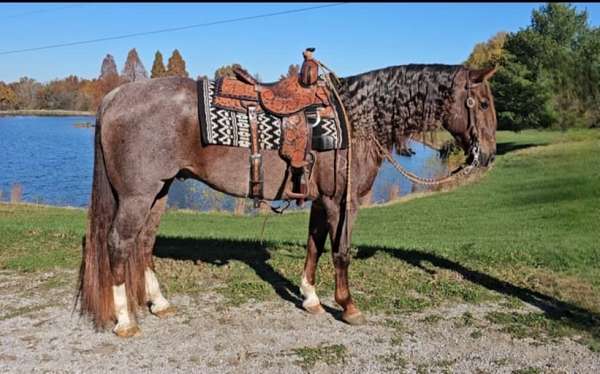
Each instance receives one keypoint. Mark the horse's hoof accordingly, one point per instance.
(355, 319)
(314, 309)
(169, 311)
(127, 332)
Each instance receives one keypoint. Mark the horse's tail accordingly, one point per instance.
(95, 276)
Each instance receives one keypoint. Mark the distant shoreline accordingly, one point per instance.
(45, 112)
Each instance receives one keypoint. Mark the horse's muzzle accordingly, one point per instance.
(486, 159)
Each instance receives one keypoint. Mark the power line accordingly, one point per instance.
(171, 29)
(22, 14)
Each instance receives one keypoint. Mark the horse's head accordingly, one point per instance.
(471, 118)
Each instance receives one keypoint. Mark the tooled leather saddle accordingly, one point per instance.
(294, 99)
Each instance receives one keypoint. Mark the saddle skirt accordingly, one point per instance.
(223, 111)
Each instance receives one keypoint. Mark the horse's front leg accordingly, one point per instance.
(317, 234)
(337, 221)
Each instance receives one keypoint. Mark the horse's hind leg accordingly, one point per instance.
(317, 235)
(126, 261)
(159, 306)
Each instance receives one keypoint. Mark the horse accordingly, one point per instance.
(147, 133)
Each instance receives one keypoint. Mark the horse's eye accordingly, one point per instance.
(484, 104)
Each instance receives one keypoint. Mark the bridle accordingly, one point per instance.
(474, 148)
(471, 104)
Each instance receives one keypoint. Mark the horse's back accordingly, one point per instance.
(139, 97)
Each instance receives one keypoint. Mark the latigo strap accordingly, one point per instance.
(256, 170)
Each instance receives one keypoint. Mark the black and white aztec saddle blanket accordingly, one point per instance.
(221, 126)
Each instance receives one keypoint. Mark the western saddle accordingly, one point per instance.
(291, 99)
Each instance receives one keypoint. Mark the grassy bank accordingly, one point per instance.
(45, 112)
(526, 232)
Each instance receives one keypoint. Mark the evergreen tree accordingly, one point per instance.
(226, 71)
(293, 69)
(134, 70)
(108, 68)
(522, 100)
(589, 76)
(158, 67)
(176, 65)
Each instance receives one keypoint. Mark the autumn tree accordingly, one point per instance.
(93, 91)
(158, 67)
(60, 94)
(488, 54)
(26, 90)
(8, 98)
(134, 69)
(176, 65)
(98, 88)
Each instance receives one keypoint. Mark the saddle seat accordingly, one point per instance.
(288, 96)
(282, 98)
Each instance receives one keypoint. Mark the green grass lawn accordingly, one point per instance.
(526, 231)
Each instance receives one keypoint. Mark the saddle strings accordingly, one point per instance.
(274, 209)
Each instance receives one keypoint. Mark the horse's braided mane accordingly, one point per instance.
(404, 99)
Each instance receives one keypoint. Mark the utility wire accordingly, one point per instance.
(171, 29)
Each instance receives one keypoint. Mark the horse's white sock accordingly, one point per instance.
(308, 291)
(121, 311)
(153, 292)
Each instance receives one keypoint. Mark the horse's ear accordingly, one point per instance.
(480, 75)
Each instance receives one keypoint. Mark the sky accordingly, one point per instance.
(349, 38)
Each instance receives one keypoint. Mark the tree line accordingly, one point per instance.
(548, 72)
(74, 93)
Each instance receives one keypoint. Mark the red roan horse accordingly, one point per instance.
(147, 133)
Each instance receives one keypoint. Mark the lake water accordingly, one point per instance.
(52, 160)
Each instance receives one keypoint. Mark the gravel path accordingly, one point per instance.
(39, 334)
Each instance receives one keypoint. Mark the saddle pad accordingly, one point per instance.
(221, 126)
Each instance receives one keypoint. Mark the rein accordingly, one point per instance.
(348, 198)
(474, 149)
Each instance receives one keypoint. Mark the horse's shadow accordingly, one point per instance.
(220, 252)
(507, 147)
(254, 254)
(553, 308)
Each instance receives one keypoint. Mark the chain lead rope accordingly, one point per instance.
(427, 181)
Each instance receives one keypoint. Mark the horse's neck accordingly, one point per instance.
(383, 109)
